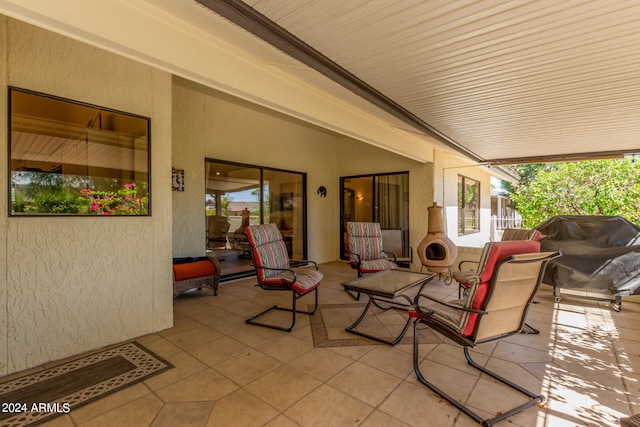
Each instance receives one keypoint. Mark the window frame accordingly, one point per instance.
(114, 189)
(463, 184)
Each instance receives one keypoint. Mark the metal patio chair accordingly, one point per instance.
(495, 308)
(366, 253)
(274, 272)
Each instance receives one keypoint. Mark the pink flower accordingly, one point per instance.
(128, 185)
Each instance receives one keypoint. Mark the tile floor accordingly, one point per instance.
(586, 360)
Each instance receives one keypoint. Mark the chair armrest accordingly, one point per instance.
(356, 256)
(393, 255)
(293, 273)
(419, 310)
(315, 264)
(467, 261)
(215, 262)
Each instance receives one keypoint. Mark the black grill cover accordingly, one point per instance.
(599, 254)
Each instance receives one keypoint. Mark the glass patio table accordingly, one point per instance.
(385, 290)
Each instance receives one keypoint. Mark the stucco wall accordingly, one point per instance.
(447, 169)
(210, 124)
(76, 284)
(358, 158)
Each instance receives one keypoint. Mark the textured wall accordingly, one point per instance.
(76, 284)
(210, 124)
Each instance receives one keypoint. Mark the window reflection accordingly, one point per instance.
(239, 195)
(69, 158)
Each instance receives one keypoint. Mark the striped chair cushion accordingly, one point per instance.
(377, 265)
(306, 279)
(269, 250)
(365, 240)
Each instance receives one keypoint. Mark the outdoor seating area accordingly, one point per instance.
(585, 361)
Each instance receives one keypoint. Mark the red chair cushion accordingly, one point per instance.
(191, 270)
(498, 252)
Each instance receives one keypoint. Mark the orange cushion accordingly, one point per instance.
(190, 270)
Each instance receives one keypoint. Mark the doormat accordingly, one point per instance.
(55, 391)
(330, 320)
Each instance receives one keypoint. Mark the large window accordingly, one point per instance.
(70, 158)
(239, 195)
(468, 205)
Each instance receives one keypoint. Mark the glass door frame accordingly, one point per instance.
(261, 198)
(374, 202)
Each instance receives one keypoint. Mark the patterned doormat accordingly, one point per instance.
(56, 391)
(330, 320)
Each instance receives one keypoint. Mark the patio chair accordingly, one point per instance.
(274, 272)
(495, 308)
(366, 253)
(520, 234)
(466, 277)
(393, 242)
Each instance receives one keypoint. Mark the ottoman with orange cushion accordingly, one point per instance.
(195, 272)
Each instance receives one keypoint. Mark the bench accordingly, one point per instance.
(195, 272)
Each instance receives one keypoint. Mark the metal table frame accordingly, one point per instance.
(382, 295)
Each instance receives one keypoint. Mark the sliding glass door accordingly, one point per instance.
(238, 195)
(382, 198)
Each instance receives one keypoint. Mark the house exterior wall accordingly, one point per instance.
(357, 158)
(73, 284)
(210, 124)
(447, 168)
(76, 284)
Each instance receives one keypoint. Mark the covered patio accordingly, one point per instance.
(585, 361)
(213, 89)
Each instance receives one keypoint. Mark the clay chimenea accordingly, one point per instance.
(436, 251)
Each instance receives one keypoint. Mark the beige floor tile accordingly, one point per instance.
(330, 408)
(193, 337)
(380, 419)
(206, 385)
(283, 387)
(458, 384)
(139, 412)
(216, 351)
(519, 353)
(108, 403)
(388, 359)
(61, 421)
(254, 336)
(184, 415)
(184, 364)
(247, 366)
(282, 421)
(241, 409)
(161, 346)
(320, 363)
(286, 348)
(365, 383)
(416, 405)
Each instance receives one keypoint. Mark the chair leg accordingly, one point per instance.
(292, 310)
(535, 399)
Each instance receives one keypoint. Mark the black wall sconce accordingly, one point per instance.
(322, 191)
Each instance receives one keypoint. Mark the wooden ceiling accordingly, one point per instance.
(500, 81)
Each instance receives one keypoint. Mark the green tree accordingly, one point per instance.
(595, 187)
